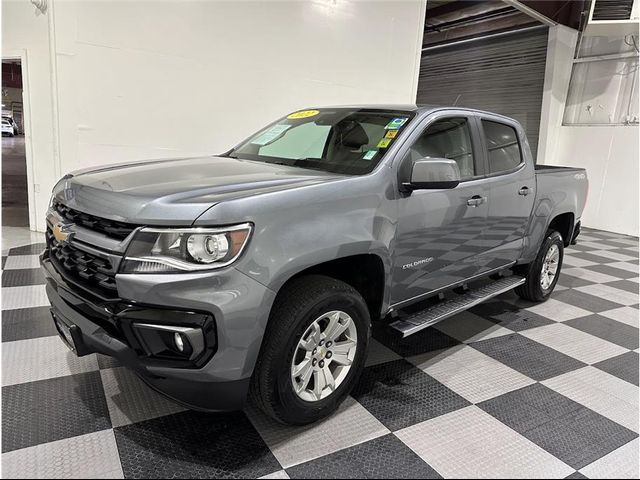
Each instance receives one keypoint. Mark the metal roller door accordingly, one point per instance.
(503, 74)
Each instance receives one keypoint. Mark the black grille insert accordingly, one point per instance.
(89, 271)
(111, 228)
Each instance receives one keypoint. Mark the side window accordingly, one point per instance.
(503, 146)
(447, 138)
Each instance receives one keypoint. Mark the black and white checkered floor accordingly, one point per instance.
(508, 389)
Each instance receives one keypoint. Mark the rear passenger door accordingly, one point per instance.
(511, 186)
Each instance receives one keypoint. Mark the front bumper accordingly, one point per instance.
(238, 305)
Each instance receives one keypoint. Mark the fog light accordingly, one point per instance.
(177, 338)
(171, 342)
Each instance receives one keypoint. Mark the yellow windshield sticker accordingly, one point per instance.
(391, 134)
(384, 143)
(304, 114)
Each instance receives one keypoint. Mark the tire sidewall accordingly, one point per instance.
(295, 408)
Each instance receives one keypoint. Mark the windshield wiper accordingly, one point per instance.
(300, 163)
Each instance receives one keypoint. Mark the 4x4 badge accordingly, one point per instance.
(61, 232)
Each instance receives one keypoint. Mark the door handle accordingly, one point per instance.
(524, 191)
(476, 200)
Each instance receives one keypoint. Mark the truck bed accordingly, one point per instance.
(542, 169)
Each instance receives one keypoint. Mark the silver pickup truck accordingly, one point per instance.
(260, 271)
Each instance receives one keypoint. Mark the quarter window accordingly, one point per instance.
(503, 146)
(447, 138)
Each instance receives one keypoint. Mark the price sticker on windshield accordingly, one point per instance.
(396, 123)
(270, 135)
(304, 114)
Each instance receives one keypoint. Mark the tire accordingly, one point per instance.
(533, 288)
(303, 303)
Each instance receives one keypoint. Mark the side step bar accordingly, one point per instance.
(432, 315)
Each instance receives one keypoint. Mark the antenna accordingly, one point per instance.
(457, 98)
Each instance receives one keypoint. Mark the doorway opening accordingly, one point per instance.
(15, 196)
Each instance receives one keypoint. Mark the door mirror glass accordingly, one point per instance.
(433, 173)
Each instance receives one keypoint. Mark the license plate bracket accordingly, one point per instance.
(70, 334)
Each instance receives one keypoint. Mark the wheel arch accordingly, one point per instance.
(564, 224)
(364, 272)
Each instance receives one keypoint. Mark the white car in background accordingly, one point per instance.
(13, 124)
(7, 128)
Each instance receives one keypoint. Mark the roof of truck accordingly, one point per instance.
(411, 107)
(381, 106)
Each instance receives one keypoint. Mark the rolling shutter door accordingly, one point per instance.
(504, 74)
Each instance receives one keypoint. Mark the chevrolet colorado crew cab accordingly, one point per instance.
(259, 272)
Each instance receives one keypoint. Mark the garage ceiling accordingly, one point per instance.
(452, 20)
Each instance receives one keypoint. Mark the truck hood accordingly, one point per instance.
(175, 192)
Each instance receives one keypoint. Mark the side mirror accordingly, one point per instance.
(432, 173)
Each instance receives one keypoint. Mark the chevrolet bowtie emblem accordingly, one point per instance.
(61, 232)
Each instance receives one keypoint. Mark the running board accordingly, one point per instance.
(434, 314)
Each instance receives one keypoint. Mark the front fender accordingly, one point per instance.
(303, 227)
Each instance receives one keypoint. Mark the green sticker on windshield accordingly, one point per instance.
(370, 154)
(396, 123)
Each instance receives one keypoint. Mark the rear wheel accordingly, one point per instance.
(542, 274)
(313, 351)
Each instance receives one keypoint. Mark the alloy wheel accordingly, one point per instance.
(324, 356)
(550, 267)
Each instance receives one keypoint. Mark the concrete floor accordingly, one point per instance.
(15, 206)
(18, 236)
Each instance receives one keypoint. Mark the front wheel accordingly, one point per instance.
(313, 351)
(542, 274)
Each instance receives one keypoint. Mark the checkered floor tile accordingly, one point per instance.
(507, 389)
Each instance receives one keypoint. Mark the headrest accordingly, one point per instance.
(354, 136)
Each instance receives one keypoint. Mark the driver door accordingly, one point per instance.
(440, 232)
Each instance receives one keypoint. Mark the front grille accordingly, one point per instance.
(111, 228)
(89, 271)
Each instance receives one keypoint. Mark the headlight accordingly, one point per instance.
(167, 250)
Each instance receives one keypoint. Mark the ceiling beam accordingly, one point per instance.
(531, 12)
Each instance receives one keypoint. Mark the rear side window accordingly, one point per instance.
(503, 146)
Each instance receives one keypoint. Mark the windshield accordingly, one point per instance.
(339, 140)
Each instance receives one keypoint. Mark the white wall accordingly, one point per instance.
(610, 153)
(25, 35)
(561, 46)
(140, 79)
